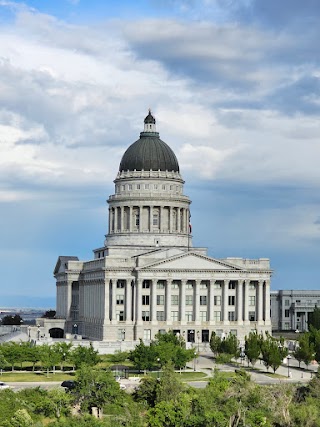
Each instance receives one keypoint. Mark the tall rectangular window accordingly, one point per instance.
(217, 300)
(147, 334)
(146, 316)
(146, 284)
(231, 316)
(252, 316)
(174, 299)
(160, 284)
(203, 300)
(218, 284)
(160, 316)
(203, 316)
(155, 219)
(174, 285)
(252, 285)
(189, 316)
(232, 284)
(175, 316)
(120, 299)
(189, 299)
(217, 316)
(120, 284)
(252, 300)
(203, 286)
(286, 313)
(145, 299)
(189, 286)
(160, 299)
(231, 300)
(120, 316)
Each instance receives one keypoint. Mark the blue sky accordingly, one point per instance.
(235, 88)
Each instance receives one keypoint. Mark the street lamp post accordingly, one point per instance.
(123, 336)
(38, 332)
(288, 362)
(75, 329)
(198, 337)
(194, 361)
(158, 360)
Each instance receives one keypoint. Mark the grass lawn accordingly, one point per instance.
(184, 376)
(35, 377)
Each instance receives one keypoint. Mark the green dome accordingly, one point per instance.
(149, 153)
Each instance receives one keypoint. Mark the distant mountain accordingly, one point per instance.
(25, 301)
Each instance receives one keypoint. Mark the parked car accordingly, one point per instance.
(68, 384)
(3, 385)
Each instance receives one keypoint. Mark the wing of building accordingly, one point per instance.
(147, 277)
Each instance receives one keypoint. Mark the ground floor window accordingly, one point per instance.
(205, 335)
(190, 336)
(147, 334)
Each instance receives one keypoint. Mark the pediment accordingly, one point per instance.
(61, 264)
(191, 261)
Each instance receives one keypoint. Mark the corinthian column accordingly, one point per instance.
(239, 302)
(260, 301)
(182, 296)
(168, 301)
(225, 302)
(139, 301)
(267, 302)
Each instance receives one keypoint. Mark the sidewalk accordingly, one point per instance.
(205, 363)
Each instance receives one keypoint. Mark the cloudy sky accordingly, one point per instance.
(235, 88)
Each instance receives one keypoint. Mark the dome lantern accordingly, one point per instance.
(149, 123)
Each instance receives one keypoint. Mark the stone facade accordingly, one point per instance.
(290, 309)
(147, 277)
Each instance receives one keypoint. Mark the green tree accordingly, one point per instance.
(54, 403)
(253, 347)
(215, 343)
(3, 362)
(49, 314)
(169, 384)
(273, 352)
(315, 340)
(12, 353)
(94, 388)
(84, 356)
(314, 318)
(143, 357)
(12, 320)
(21, 418)
(230, 345)
(305, 349)
(63, 350)
(33, 355)
(147, 391)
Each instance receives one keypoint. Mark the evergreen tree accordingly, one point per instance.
(253, 347)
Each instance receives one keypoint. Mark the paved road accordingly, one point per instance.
(205, 363)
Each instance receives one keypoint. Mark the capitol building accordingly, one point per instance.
(147, 276)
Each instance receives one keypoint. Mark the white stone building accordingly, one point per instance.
(147, 277)
(290, 309)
